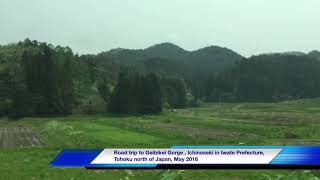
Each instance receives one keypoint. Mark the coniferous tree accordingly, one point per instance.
(152, 98)
(135, 93)
(174, 92)
(266, 78)
(120, 98)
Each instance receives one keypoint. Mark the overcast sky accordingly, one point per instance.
(89, 26)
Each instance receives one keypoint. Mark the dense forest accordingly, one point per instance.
(266, 78)
(39, 79)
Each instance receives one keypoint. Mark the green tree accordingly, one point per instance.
(104, 87)
(136, 93)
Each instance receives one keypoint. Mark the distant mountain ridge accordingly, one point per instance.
(132, 56)
(172, 58)
(211, 59)
(165, 50)
(314, 54)
(205, 61)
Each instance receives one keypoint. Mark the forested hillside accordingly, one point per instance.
(202, 61)
(40, 79)
(314, 54)
(266, 78)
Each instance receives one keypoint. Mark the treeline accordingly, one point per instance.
(174, 92)
(40, 82)
(39, 79)
(135, 93)
(265, 78)
(142, 93)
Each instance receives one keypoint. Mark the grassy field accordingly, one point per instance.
(286, 123)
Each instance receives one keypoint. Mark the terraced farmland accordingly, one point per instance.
(13, 137)
(32, 143)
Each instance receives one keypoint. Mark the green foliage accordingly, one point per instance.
(18, 106)
(53, 81)
(136, 93)
(209, 60)
(174, 92)
(266, 78)
(49, 76)
(4, 91)
(39, 80)
(169, 59)
(104, 88)
(15, 98)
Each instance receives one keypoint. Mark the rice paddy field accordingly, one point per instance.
(28, 145)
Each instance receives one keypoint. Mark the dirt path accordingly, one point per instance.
(210, 133)
(300, 142)
(12, 137)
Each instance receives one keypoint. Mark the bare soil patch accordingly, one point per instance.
(13, 137)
